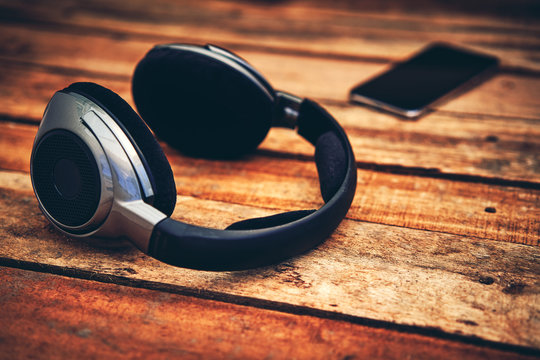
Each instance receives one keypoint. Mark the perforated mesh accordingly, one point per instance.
(53, 147)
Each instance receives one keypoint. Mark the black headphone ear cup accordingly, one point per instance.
(200, 105)
(155, 162)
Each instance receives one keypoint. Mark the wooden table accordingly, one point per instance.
(439, 255)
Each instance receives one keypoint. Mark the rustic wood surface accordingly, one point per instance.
(446, 143)
(285, 183)
(119, 321)
(462, 285)
(439, 256)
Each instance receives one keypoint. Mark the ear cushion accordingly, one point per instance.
(200, 105)
(331, 160)
(152, 156)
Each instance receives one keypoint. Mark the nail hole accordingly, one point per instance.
(492, 138)
(514, 289)
(487, 280)
(490, 210)
(468, 322)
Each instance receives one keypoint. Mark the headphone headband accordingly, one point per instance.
(97, 171)
(263, 241)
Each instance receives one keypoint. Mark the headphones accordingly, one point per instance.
(97, 171)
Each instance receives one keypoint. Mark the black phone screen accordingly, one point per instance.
(410, 86)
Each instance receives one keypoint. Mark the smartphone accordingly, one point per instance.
(429, 76)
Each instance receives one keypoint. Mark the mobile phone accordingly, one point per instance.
(427, 77)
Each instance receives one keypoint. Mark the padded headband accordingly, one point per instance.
(204, 101)
(262, 241)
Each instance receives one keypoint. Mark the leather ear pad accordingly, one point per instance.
(200, 105)
(154, 160)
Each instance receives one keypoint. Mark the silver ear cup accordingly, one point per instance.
(67, 169)
(87, 176)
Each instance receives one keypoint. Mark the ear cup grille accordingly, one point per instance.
(66, 178)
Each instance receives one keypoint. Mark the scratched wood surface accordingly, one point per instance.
(409, 277)
(393, 199)
(438, 257)
(131, 316)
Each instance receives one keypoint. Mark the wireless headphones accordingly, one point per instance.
(97, 171)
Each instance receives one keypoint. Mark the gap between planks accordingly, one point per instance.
(509, 290)
(517, 90)
(321, 78)
(195, 326)
(516, 159)
(254, 24)
(482, 147)
(458, 285)
(288, 184)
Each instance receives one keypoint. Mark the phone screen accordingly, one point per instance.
(409, 87)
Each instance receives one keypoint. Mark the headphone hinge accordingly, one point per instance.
(287, 110)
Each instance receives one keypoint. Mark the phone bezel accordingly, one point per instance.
(473, 81)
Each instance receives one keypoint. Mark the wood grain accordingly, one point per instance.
(379, 35)
(457, 285)
(308, 76)
(95, 320)
(485, 146)
(288, 184)
(425, 257)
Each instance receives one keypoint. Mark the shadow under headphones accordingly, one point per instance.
(97, 171)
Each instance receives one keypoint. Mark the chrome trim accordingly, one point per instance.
(60, 114)
(219, 56)
(360, 99)
(120, 173)
(242, 62)
(121, 212)
(288, 108)
(286, 105)
(127, 145)
(142, 219)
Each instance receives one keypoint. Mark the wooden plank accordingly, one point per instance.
(424, 279)
(287, 184)
(458, 285)
(28, 102)
(345, 33)
(320, 78)
(126, 322)
(490, 147)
